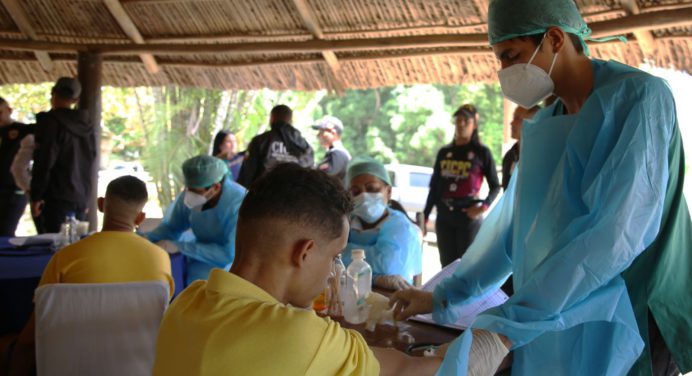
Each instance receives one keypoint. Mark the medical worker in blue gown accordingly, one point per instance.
(594, 227)
(392, 243)
(201, 222)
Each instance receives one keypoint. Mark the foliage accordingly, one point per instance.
(408, 124)
(27, 100)
(163, 126)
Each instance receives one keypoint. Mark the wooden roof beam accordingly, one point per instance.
(311, 46)
(664, 19)
(462, 51)
(22, 21)
(310, 20)
(645, 38)
(643, 21)
(118, 12)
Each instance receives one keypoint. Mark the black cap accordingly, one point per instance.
(67, 87)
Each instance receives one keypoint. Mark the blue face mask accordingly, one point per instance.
(369, 206)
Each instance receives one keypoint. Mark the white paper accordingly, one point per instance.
(32, 240)
(468, 312)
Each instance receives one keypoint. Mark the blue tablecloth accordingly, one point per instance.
(20, 272)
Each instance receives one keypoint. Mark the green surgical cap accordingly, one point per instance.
(509, 19)
(203, 171)
(366, 165)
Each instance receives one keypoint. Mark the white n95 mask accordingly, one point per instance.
(369, 206)
(527, 84)
(194, 200)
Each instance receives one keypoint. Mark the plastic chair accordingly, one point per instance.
(98, 329)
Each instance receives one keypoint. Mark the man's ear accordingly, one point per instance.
(101, 203)
(140, 218)
(557, 38)
(302, 249)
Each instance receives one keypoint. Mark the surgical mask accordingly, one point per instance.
(194, 201)
(527, 84)
(369, 206)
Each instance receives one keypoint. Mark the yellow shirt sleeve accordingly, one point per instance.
(51, 274)
(343, 352)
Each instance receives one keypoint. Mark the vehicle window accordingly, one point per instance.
(419, 179)
(392, 179)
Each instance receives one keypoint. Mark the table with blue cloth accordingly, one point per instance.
(20, 272)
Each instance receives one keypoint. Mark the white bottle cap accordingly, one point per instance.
(357, 254)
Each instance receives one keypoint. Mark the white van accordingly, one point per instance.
(410, 185)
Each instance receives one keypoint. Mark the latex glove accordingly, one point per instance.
(168, 246)
(411, 302)
(487, 352)
(379, 311)
(392, 282)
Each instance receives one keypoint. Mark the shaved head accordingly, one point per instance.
(293, 222)
(124, 201)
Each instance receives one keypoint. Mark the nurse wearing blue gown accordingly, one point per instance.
(392, 243)
(201, 222)
(593, 228)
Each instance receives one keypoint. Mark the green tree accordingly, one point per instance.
(408, 124)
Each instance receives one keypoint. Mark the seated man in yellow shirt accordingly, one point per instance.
(116, 254)
(256, 319)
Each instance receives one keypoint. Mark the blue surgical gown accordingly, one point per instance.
(392, 248)
(211, 243)
(586, 201)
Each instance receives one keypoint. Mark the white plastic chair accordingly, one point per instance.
(98, 329)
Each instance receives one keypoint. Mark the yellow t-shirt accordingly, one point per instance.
(109, 257)
(229, 326)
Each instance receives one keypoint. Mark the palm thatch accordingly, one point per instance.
(302, 44)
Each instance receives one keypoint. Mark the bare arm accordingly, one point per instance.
(393, 362)
(23, 358)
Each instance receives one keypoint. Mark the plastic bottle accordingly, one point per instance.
(359, 285)
(71, 224)
(334, 288)
(64, 238)
(343, 287)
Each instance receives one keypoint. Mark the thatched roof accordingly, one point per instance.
(302, 44)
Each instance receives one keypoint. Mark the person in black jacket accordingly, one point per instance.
(335, 161)
(281, 144)
(12, 198)
(456, 181)
(63, 159)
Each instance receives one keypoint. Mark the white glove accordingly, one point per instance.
(379, 311)
(168, 246)
(392, 282)
(487, 353)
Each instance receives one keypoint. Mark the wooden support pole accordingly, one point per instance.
(20, 18)
(312, 24)
(118, 12)
(89, 68)
(645, 38)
